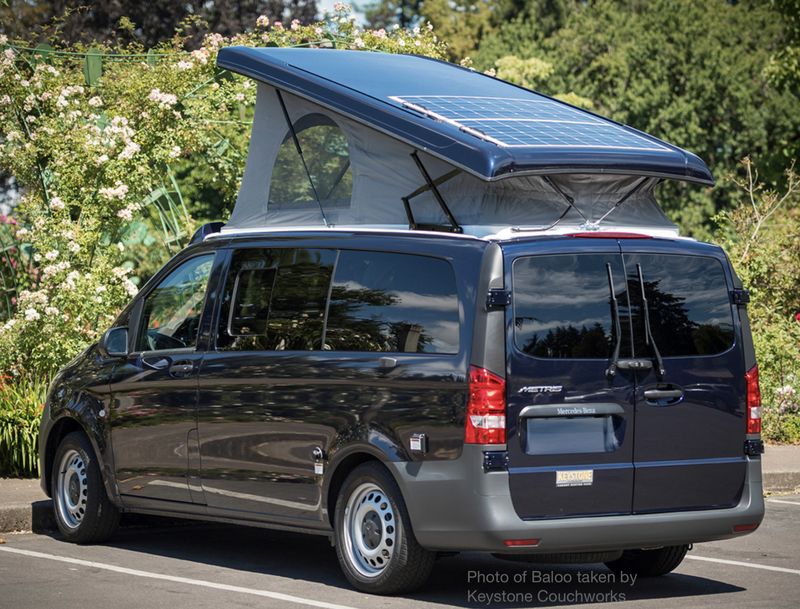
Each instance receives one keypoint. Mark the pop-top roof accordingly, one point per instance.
(486, 126)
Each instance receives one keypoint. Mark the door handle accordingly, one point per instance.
(575, 409)
(655, 395)
(181, 369)
(635, 364)
(387, 363)
(156, 363)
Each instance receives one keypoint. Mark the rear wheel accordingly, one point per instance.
(83, 511)
(649, 563)
(375, 545)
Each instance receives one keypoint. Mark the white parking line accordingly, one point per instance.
(181, 580)
(738, 563)
(784, 501)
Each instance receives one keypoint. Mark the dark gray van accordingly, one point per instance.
(447, 314)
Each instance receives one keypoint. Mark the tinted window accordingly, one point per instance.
(297, 313)
(562, 306)
(171, 314)
(688, 300)
(326, 154)
(393, 303)
(275, 300)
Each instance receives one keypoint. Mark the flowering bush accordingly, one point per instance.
(93, 152)
(762, 237)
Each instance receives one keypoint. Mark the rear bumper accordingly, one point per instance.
(455, 506)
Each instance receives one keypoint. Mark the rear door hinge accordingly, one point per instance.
(753, 448)
(740, 297)
(498, 298)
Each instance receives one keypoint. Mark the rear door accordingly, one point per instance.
(690, 425)
(570, 422)
(260, 415)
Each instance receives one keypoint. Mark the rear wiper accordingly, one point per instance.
(648, 334)
(612, 367)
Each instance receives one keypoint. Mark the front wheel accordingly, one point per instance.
(649, 563)
(83, 511)
(375, 545)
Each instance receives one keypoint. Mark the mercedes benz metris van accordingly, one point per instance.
(588, 395)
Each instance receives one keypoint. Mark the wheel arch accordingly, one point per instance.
(59, 430)
(343, 466)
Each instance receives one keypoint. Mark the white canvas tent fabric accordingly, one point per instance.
(383, 172)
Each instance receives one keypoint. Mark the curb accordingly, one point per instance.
(781, 482)
(36, 517)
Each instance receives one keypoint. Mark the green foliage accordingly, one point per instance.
(690, 72)
(21, 404)
(528, 73)
(531, 73)
(462, 23)
(100, 151)
(149, 23)
(762, 237)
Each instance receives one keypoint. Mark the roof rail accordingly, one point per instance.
(204, 231)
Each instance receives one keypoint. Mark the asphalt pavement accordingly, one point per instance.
(211, 566)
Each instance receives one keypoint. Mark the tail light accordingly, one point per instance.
(486, 409)
(753, 401)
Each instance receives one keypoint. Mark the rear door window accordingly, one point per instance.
(563, 307)
(390, 302)
(275, 300)
(688, 300)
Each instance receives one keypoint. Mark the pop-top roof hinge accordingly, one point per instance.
(498, 298)
(740, 296)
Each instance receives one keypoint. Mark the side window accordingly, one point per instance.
(393, 303)
(562, 306)
(275, 300)
(326, 153)
(172, 311)
(688, 301)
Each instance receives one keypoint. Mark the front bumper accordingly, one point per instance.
(455, 506)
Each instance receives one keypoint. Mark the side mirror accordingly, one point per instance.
(114, 343)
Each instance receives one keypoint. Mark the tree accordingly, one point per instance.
(690, 72)
(783, 70)
(155, 21)
(460, 23)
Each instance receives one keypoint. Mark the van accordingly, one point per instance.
(447, 314)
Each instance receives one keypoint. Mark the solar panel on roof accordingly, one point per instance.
(537, 123)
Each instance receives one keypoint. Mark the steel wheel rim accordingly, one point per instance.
(71, 489)
(370, 530)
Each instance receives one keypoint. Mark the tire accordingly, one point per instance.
(649, 563)
(82, 509)
(375, 544)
